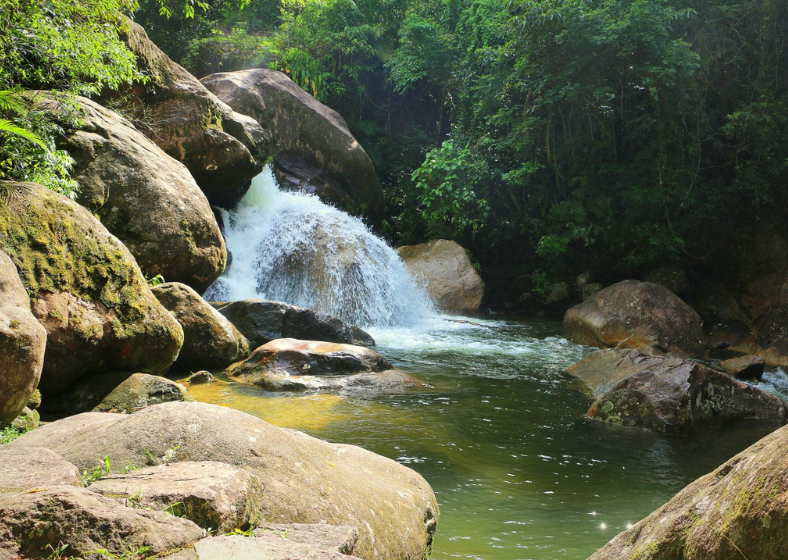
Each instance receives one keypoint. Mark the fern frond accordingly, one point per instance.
(11, 102)
(10, 128)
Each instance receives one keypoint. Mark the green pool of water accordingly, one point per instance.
(500, 434)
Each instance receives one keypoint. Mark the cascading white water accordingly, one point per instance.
(291, 247)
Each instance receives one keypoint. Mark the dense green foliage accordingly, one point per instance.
(549, 137)
(605, 135)
(62, 45)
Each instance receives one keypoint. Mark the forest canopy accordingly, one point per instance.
(548, 137)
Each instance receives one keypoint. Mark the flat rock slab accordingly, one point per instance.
(32, 521)
(336, 538)
(34, 467)
(306, 480)
(266, 547)
(670, 394)
(602, 370)
(213, 495)
(389, 380)
(262, 321)
(738, 511)
(745, 367)
(289, 356)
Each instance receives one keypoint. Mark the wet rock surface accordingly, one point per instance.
(669, 394)
(744, 367)
(262, 321)
(446, 272)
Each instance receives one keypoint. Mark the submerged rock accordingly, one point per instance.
(289, 365)
(311, 143)
(222, 149)
(86, 288)
(446, 272)
(306, 480)
(262, 321)
(200, 377)
(669, 394)
(744, 367)
(738, 511)
(144, 197)
(640, 315)
(213, 495)
(209, 339)
(22, 343)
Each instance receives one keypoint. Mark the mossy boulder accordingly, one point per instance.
(210, 340)
(311, 143)
(221, 149)
(639, 315)
(116, 392)
(306, 480)
(144, 197)
(22, 344)
(86, 289)
(738, 511)
(669, 395)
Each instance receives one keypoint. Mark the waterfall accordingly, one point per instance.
(291, 247)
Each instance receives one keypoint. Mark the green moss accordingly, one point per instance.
(49, 244)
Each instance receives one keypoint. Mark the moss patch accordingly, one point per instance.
(56, 251)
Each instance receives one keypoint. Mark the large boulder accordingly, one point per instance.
(638, 315)
(86, 290)
(22, 344)
(144, 197)
(446, 272)
(209, 339)
(35, 523)
(288, 364)
(312, 143)
(306, 480)
(738, 511)
(669, 394)
(221, 149)
(262, 321)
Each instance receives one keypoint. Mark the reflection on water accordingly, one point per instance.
(501, 435)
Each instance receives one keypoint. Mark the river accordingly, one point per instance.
(499, 428)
